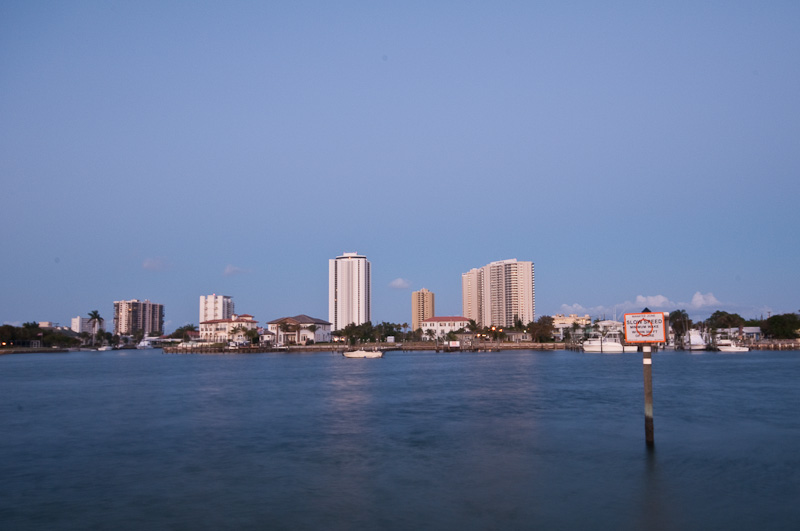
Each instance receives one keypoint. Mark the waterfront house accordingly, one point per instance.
(300, 330)
(224, 330)
(441, 326)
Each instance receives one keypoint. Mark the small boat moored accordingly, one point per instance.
(362, 354)
(610, 343)
(728, 345)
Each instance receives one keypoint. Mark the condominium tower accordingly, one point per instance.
(422, 307)
(499, 293)
(134, 315)
(215, 307)
(349, 290)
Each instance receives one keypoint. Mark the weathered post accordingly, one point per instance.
(647, 364)
(647, 328)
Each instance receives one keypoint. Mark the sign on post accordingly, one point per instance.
(646, 327)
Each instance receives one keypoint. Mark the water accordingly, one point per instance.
(511, 440)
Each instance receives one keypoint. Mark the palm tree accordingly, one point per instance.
(313, 329)
(252, 335)
(287, 327)
(680, 323)
(96, 321)
(235, 330)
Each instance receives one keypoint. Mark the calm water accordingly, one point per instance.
(514, 440)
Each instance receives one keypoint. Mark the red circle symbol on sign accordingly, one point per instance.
(644, 327)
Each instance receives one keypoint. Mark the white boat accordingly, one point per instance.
(611, 343)
(695, 341)
(363, 354)
(144, 344)
(727, 345)
(105, 347)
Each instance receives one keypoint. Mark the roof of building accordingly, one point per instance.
(245, 317)
(301, 319)
(445, 318)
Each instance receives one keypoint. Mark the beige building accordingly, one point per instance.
(422, 307)
(472, 295)
(499, 293)
(561, 320)
(224, 330)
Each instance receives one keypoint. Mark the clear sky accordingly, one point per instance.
(639, 153)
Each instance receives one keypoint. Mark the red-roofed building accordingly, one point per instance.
(224, 330)
(442, 326)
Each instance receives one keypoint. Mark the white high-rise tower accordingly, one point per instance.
(349, 290)
(215, 307)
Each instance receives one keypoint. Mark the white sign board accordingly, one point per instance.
(645, 328)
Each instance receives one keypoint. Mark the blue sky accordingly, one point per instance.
(637, 153)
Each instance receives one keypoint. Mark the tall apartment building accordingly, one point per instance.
(472, 295)
(135, 315)
(422, 307)
(499, 293)
(349, 290)
(215, 307)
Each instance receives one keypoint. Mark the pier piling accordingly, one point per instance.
(647, 364)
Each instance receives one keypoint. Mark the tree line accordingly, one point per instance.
(782, 326)
(541, 330)
(25, 335)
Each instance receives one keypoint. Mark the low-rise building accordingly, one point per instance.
(441, 326)
(85, 324)
(572, 324)
(300, 330)
(224, 330)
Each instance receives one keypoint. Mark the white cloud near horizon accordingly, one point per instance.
(231, 270)
(700, 300)
(154, 264)
(400, 283)
(654, 302)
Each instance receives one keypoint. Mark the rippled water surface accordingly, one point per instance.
(510, 440)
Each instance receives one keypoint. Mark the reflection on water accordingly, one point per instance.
(510, 440)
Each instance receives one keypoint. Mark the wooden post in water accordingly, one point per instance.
(647, 364)
(648, 329)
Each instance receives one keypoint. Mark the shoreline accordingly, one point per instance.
(386, 347)
(765, 345)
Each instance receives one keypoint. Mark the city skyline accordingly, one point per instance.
(641, 155)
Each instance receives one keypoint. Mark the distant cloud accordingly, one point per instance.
(400, 283)
(231, 270)
(699, 300)
(576, 308)
(654, 301)
(154, 264)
